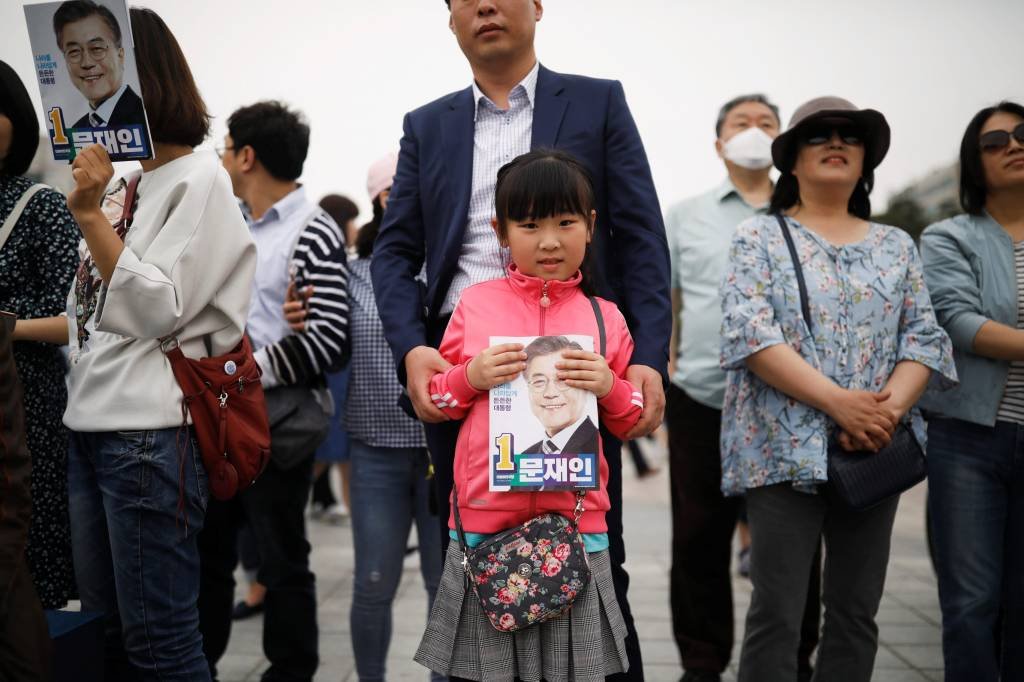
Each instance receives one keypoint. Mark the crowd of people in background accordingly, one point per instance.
(763, 322)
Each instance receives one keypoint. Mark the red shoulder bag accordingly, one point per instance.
(224, 396)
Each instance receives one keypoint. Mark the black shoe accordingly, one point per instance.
(700, 676)
(243, 610)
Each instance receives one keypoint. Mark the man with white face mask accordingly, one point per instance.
(699, 233)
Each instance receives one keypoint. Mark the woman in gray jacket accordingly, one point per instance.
(974, 268)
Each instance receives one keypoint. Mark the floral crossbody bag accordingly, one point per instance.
(533, 572)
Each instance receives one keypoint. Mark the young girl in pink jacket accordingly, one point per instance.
(544, 204)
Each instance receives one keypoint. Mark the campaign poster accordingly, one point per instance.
(543, 432)
(84, 59)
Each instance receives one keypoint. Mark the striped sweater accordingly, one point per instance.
(318, 260)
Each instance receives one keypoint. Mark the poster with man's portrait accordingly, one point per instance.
(84, 59)
(543, 432)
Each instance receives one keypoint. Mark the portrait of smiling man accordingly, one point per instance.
(89, 37)
(561, 409)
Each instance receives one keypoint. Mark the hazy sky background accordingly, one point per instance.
(355, 67)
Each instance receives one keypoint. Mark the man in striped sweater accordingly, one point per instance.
(301, 255)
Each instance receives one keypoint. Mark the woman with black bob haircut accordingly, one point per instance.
(38, 257)
(849, 370)
(974, 266)
(181, 268)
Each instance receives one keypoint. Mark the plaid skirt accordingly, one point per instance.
(586, 644)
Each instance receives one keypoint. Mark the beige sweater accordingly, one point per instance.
(186, 270)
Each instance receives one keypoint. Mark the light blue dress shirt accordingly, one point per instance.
(275, 234)
(699, 232)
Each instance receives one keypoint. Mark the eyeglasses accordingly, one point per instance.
(815, 135)
(994, 140)
(540, 385)
(221, 148)
(97, 51)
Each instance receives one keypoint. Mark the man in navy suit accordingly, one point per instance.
(441, 205)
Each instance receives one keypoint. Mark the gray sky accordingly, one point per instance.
(356, 66)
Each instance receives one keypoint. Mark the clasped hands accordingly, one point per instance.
(866, 420)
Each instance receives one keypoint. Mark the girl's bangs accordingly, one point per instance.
(543, 189)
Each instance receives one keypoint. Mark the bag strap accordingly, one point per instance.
(15, 214)
(131, 188)
(805, 308)
(600, 323)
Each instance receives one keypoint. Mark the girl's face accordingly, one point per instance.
(549, 248)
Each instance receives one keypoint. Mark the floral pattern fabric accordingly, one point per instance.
(37, 267)
(870, 309)
(529, 574)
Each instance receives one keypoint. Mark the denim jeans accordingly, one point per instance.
(390, 490)
(135, 551)
(976, 505)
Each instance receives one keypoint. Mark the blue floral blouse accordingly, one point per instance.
(870, 310)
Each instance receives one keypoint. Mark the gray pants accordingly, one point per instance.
(786, 527)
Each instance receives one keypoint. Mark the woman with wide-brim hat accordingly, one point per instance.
(852, 374)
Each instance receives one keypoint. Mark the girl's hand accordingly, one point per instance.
(586, 370)
(496, 365)
(92, 171)
(866, 422)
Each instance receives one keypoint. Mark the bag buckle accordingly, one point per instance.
(168, 344)
(223, 398)
(578, 511)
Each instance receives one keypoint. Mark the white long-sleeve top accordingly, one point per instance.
(187, 270)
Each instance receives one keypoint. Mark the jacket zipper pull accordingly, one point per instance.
(544, 300)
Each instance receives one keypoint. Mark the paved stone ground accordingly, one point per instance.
(909, 621)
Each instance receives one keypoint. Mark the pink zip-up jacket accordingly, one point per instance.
(512, 307)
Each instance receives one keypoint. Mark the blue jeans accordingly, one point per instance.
(135, 552)
(390, 490)
(976, 504)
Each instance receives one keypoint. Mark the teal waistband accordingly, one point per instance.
(592, 542)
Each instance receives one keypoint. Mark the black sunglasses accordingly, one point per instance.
(817, 134)
(994, 140)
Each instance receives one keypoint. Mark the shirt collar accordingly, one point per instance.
(285, 206)
(106, 110)
(727, 189)
(527, 87)
(561, 439)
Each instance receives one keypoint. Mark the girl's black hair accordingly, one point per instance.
(16, 105)
(787, 189)
(540, 184)
(973, 190)
(368, 232)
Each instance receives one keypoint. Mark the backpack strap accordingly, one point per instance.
(12, 219)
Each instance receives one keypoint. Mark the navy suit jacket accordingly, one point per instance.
(428, 205)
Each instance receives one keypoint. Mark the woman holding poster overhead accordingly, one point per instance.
(540, 378)
(180, 264)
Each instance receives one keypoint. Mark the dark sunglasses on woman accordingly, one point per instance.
(994, 140)
(821, 133)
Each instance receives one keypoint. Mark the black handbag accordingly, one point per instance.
(299, 423)
(862, 479)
